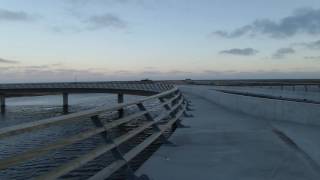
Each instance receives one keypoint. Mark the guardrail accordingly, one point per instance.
(253, 82)
(268, 96)
(126, 87)
(171, 102)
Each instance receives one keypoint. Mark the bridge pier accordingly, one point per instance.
(120, 100)
(2, 103)
(65, 102)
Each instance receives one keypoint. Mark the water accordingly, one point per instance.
(27, 109)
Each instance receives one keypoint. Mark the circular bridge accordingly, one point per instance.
(100, 143)
(144, 88)
(125, 87)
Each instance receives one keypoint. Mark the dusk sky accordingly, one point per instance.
(96, 40)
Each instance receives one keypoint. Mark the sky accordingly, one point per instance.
(102, 40)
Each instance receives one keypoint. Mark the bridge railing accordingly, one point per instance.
(118, 85)
(171, 102)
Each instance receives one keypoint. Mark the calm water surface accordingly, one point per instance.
(26, 109)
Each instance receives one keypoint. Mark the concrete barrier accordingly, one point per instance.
(312, 96)
(270, 109)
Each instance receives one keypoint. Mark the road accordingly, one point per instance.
(226, 145)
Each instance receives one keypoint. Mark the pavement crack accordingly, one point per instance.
(290, 142)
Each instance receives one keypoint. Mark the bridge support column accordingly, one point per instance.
(2, 103)
(120, 100)
(65, 102)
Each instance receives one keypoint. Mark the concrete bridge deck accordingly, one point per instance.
(225, 145)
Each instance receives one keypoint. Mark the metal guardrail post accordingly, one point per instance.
(65, 97)
(179, 121)
(120, 100)
(155, 126)
(188, 104)
(147, 115)
(2, 103)
(115, 151)
(167, 106)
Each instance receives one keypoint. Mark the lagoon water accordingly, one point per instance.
(26, 109)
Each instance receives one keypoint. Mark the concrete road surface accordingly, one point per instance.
(226, 145)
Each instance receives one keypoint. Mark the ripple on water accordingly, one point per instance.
(17, 114)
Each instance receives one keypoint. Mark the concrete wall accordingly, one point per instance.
(260, 107)
(314, 96)
(301, 88)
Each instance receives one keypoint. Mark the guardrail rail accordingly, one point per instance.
(173, 106)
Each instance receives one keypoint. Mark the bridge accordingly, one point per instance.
(250, 132)
(168, 103)
(234, 132)
(120, 88)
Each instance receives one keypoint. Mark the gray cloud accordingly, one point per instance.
(6, 15)
(312, 57)
(241, 52)
(86, 4)
(301, 21)
(65, 29)
(91, 23)
(101, 2)
(236, 33)
(269, 74)
(40, 73)
(174, 72)
(311, 45)
(104, 21)
(7, 61)
(282, 52)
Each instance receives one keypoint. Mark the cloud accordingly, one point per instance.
(272, 74)
(240, 52)
(85, 19)
(305, 21)
(107, 4)
(236, 33)
(47, 73)
(311, 45)
(175, 72)
(312, 57)
(65, 29)
(6, 61)
(282, 52)
(104, 21)
(6, 15)
(101, 2)
(91, 23)
(53, 73)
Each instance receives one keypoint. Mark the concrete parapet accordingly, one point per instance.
(270, 109)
